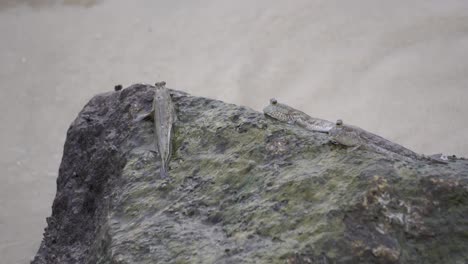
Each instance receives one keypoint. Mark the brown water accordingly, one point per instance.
(397, 68)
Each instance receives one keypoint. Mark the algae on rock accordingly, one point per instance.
(243, 189)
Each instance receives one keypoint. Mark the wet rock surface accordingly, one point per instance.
(243, 189)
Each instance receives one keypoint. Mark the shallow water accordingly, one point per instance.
(396, 68)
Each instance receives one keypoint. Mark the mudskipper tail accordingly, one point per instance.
(163, 172)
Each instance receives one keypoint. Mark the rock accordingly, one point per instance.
(243, 189)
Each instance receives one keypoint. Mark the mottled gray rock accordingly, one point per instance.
(243, 189)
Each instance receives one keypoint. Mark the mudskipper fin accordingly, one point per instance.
(145, 116)
(153, 150)
(353, 149)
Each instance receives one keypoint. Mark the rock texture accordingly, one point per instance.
(243, 189)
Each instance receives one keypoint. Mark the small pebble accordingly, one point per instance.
(118, 87)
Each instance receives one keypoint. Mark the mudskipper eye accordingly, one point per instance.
(273, 101)
(339, 122)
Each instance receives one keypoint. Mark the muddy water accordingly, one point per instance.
(393, 67)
